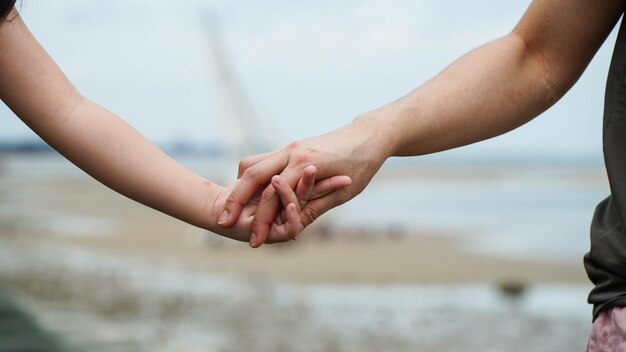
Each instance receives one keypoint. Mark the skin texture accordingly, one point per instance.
(111, 151)
(487, 92)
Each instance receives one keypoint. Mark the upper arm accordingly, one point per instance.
(564, 35)
(31, 84)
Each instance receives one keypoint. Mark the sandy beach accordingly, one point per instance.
(103, 221)
(105, 273)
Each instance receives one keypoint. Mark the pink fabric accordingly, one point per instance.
(608, 333)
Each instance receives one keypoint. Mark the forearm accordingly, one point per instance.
(112, 152)
(485, 93)
(93, 138)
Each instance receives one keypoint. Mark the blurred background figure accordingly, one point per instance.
(474, 243)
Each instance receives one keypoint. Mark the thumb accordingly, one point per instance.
(230, 213)
(252, 179)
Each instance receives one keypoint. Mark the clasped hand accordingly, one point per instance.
(324, 171)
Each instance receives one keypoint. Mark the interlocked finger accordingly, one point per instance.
(305, 185)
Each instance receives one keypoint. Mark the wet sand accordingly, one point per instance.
(104, 273)
(97, 219)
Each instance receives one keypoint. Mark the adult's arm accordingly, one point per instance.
(488, 91)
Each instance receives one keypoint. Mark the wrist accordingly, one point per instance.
(209, 215)
(379, 132)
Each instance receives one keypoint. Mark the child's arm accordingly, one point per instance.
(96, 140)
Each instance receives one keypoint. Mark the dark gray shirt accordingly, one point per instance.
(606, 261)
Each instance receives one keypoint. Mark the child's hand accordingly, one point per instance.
(286, 225)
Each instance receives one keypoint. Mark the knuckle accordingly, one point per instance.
(305, 157)
(322, 188)
(268, 193)
(327, 185)
(294, 145)
(310, 215)
(251, 173)
(256, 223)
(231, 200)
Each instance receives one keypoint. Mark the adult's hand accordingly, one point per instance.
(357, 150)
(286, 225)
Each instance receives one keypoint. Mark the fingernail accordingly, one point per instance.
(299, 232)
(252, 239)
(223, 217)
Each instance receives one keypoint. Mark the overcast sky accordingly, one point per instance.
(308, 67)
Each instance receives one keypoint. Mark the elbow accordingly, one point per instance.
(546, 75)
(72, 103)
